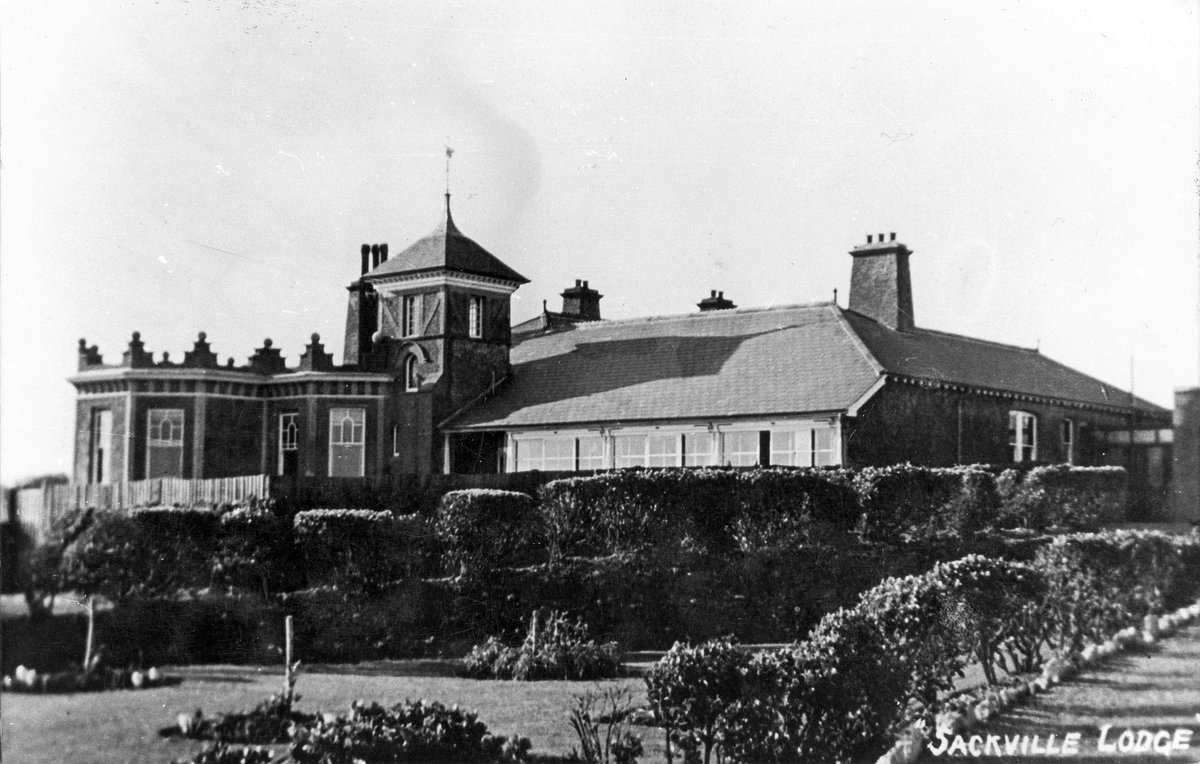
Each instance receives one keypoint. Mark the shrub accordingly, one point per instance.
(482, 529)
(142, 553)
(694, 692)
(1080, 498)
(410, 731)
(559, 649)
(906, 501)
(219, 753)
(255, 552)
(359, 549)
(610, 709)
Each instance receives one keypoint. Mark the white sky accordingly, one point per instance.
(173, 167)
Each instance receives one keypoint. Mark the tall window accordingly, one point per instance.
(412, 381)
(806, 447)
(1022, 436)
(164, 443)
(591, 452)
(741, 448)
(699, 450)
(408, 315)
(347, 442)
(475, 318)
(100, 461)
(1068, 440)
(289, 443)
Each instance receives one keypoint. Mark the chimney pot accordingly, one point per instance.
(578, 283)
(383, 252)
(720, 295)
(374, 256)
(893, 236)
(880, 238)
(868, 238)
(366, 259)
(585, 286)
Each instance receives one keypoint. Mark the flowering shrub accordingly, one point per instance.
(410, 731)
(558, 649)
(359, 549)
(482, 529)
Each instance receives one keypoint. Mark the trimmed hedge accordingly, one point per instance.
(1060, 495)
(482, 529)
(359, 549)
(255, 552)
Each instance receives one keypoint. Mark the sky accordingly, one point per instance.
(177, 167)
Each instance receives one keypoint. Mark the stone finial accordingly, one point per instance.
(201, 355)
(89, 356)
(267, 359)
(136, 356)
(314, 357)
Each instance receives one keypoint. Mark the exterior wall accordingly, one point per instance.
(233, 437)
(84, 406)
(1185, 485)
(941, 427)
(419, 451)
(141, 406)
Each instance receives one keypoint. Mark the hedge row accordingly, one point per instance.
(866, 671)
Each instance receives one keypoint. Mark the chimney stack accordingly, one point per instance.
(715, 301)
(383, 252)
(366, 259)
(881, 283)
(581, 302)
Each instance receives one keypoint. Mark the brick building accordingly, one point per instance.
(436, 378)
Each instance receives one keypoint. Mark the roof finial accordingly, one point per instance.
(449, 153)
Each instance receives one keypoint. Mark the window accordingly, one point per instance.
(475, 318)
(412, 380)
(546, 454)
(289, 443)
(591, 452)
(806, 447)
(409, 316)
(395, 440)
(347, 442)
(741, 448)
(100, 461)
(1022, 436)
(699, 450)
(164, 443)
(629, 451)
(662, 451)
(1068, 440)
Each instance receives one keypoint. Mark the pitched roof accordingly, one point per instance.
(447, 249)
(752, 362)
(942, 357)
(706, 365)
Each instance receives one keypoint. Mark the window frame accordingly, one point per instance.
(100, 444)
(409, 315)
(282, 445)
(727, 453)
(1069, 434)
(1020, 451)
(412, 380)
(339, 415)
(475, 310)
(154, 439)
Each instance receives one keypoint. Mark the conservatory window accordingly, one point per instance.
(591, 452)
(741, 448)
(699, 450)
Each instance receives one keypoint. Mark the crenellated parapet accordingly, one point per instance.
(267, 360)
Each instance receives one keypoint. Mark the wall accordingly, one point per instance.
(904, 422)
(234, 438)
(83, 416)
(1185, 487)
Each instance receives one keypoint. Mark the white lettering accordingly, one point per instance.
(1033, 748)
(1070, 746)
(940, 747)
(1102, 744)
(1144, 741)
(1050, 749)
(958, 747)
(974, 745)
(1127, 741)
(1011, 743)
(1182, 740)
(1162, 742)
(991, 744)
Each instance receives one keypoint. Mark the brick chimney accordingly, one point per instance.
(880, 283)
(715, 301)
(581, 302)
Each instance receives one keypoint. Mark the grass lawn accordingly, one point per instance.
(119, 727)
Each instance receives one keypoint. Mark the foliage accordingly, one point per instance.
(220, 753)
(560, 648)
(904, 500)
(43, 576)
(694, 693)
(1060, 495)
(608, 710)
(482, 529)
(255, 552)
(359, 549)
(148, 552)
(410, 731)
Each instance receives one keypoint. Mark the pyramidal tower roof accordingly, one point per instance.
(446, 248)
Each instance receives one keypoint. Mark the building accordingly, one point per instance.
(436, 378)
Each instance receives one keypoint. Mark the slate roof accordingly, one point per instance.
(932, 355)
(447, 249)
(750, 363)
(713, 365)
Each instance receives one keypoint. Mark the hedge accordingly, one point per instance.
(482, 529)
(1060, 495)
(359, 549)
(255, 552)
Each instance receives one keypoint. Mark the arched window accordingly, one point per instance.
(412, 382)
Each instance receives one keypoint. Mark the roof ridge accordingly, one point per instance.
(706, 314)
(856, 340)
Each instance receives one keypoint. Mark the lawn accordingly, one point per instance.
(119, 727)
